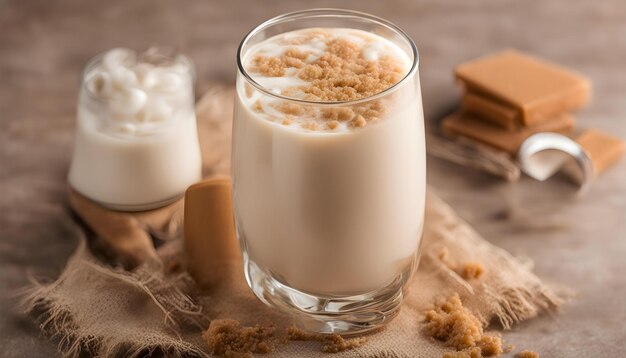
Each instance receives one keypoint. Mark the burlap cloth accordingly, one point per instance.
(94, 308)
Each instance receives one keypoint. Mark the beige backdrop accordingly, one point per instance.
(578, 242)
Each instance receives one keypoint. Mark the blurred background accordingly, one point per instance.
(44, 44)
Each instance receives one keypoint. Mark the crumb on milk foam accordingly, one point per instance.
(324, 65)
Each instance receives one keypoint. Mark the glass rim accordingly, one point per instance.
(97, 59)
(327, 12)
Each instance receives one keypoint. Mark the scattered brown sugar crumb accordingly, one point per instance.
(338, 114)
(457, 327)
(315, 33)
(312, 126)
(312, 72)
(342, 74)
(249, 90)
(359, 122)
(269, 66)
(257, 106)
(443, 254)
(276, 66)
(490, 345)
(287, 121)
(296, 54)
(370, 109)
(290, 108)
(472, 270)
(527, 354)
(469, 270)
(332, 343)
(332, 125)
(294, 58)
(227, 338)
(509, 348)
(473, 352)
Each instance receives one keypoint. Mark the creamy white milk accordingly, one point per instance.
(136, 138)
(329, 211)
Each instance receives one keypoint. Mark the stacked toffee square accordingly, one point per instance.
(509, 96)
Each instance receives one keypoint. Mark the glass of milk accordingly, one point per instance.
(329, 167)
(136, 145)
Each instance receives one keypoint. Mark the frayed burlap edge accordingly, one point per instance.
(169, 293)
(502, 299)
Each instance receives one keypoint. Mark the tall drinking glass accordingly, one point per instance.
(330, 221)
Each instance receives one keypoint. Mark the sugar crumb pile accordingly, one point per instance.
(527, 354)
(332, 343)
(228, 338)
(467, 353)
(457, 327)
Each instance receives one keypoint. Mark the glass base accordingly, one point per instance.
(142, 207)
(345, 315)
(134, 207)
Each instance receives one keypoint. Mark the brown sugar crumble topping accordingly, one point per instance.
(527, 354)
(332, 343)
(332, 124)
(359, 121)
(249, 90)
(257, 106)
(227, 338)
(457, 327)
(340, 73)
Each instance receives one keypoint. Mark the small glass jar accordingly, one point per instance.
(330, 220)
(136, 145)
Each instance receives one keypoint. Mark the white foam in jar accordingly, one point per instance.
(136, 141)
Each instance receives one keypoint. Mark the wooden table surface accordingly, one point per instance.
(578, 242)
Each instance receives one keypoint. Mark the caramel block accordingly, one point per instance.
(536, 89)
(209, 231)
(603, 149)
(493, 111)
(468, 125)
